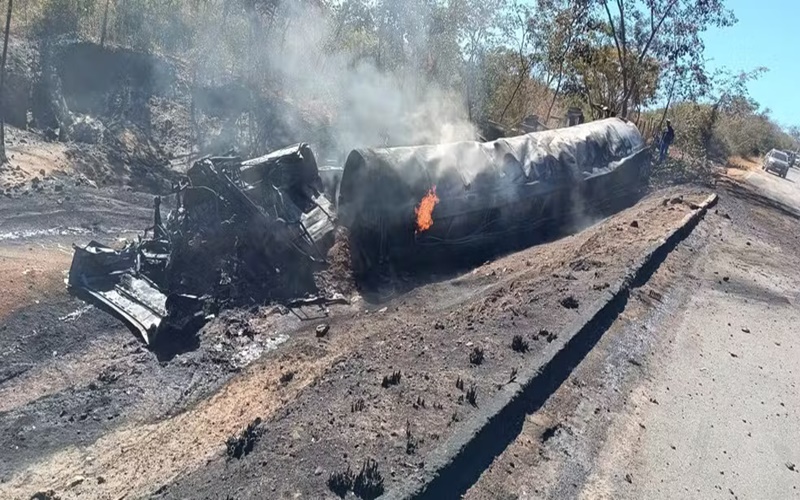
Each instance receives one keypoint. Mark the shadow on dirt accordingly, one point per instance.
(678, 171)
(752, 195)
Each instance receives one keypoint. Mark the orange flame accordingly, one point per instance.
(425, 211)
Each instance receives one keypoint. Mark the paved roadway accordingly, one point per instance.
(718, 415)
(786, 191)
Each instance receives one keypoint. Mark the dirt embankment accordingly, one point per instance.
(117, 117)
(385, 381)
(739, 166)
(408, 372)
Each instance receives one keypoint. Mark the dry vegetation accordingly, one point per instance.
(437, 66)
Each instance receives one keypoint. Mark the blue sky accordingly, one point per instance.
(767, 34)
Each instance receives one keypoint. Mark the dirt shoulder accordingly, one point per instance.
(686, 394)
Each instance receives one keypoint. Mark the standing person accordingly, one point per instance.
(667, 140)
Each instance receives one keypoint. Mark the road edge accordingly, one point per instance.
(457, 464)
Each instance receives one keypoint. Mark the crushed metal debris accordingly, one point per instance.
(241, 233)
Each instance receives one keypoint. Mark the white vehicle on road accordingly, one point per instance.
(778, 162)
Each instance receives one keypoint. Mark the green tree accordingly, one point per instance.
(660, 30)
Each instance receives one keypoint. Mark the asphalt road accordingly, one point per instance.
(786, 191)
(717, 414)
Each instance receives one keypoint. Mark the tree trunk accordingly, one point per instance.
(3, 157)
(523, 73)
(105, 25)
(669, 103)
(555, 98)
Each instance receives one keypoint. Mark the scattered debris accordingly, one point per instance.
(476, 357)
(586, 265)
(77, 481)
(74, 315)
(240, 446)
(45, 495)
(549, 433)
(322, 330)
(286, 378)
(570, 302)
(549, 337)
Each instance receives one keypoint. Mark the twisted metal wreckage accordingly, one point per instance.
(246, 232)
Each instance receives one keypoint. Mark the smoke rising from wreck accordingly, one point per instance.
(364, 105)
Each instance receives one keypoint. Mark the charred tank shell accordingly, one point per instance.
(486, 189)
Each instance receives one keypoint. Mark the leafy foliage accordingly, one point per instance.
(488, 60)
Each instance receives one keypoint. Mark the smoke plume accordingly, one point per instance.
(366, 106)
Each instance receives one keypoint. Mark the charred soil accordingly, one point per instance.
(399, 377)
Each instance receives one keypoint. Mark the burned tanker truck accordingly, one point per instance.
(414, 204)
(249, 232)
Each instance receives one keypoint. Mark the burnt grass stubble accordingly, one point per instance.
(134, 381)
(367, 484)
(241, 445)
(404, 357)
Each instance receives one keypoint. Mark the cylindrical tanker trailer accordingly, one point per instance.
(411, 204)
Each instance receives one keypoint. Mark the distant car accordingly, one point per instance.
(778, 162)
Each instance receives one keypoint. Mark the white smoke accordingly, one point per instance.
(366, 107)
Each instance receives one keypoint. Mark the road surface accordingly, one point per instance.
(692, 393)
